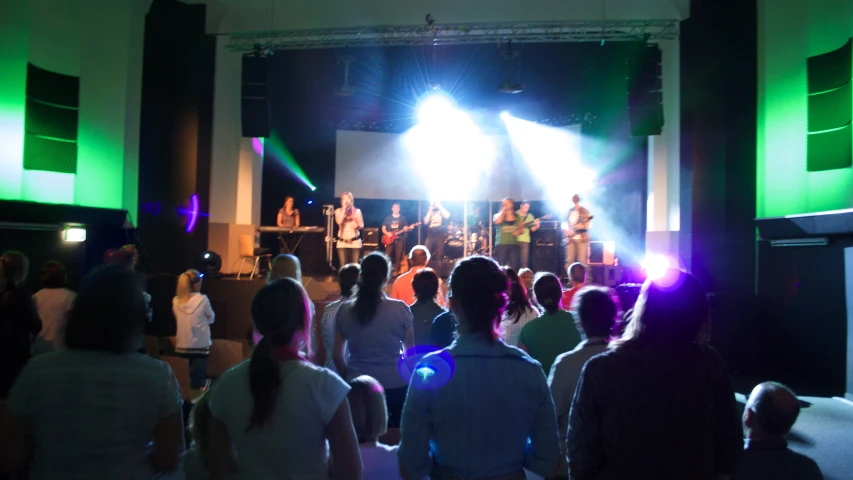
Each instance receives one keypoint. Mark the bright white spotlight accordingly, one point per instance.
(655, 266)
(435, 108)
(505, 115)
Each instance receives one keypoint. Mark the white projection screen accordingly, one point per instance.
(384, 166)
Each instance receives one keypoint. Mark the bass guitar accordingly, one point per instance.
(518, 231)
(389, 238)
(571, 232)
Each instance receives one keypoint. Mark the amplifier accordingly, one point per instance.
(549, 225)
(370, 237)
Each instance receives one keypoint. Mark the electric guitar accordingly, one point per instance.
(571, 232)
(518, 231)
(389, 238)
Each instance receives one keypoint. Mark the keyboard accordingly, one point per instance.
(288, 230)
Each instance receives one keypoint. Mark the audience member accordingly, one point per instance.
(424, 310)
(519, 312)
(402, 288)
(90, 411)
(53, 304)
(525, 275)
(374, 326)
(127, 257)
(347, 279)
(193, 316)
(197, 458)
(577, 280)
(463, 429)
(770, 413)
(552, 333)
(285, 266)
(370, 419)
(596, 312)
(657, 405)
(19, 321)
(443, 330)
(273, 414)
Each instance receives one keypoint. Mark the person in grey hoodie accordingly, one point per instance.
(193, 316)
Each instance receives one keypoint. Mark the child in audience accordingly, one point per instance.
(193, 316)
(525, 275)
(554, 332)
(197, 458)
(370, 419)
(274, 414)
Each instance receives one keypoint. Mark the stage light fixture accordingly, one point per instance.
(655, 266)
(435, 108)
(510, 88)
(74, 234)
(211, 263)
(505, 115)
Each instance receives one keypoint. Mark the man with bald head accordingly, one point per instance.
(770, 413)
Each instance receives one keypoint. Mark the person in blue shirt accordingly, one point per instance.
(478, 408)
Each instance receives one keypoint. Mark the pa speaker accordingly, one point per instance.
(255, 102)
(645, 98)
(545, 258)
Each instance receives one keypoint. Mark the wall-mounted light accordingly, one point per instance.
(74, 234)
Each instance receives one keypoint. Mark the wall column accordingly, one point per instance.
(664, 202)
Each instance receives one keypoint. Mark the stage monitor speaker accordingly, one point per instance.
(604, 275)
(255, 102)
(602, 253)
(546, 259)
(645, 97)
(370, 237)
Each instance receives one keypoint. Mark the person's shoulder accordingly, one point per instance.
(234, 374)
(333, 306)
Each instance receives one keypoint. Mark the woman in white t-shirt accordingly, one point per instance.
(374, 328)
(193, 316)
(53, 303)
(274, 414)
(370, 419)
(518, 312)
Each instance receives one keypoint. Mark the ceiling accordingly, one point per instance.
(226, 16)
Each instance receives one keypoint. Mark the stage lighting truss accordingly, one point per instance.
(454, 34)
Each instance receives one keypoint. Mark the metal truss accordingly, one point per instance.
(454, 34)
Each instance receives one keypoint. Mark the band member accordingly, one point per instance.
(288, 217)
(350, 222)
(434, 220)
(526, 224)
(395, 224)
(506, 244)
(577, 247)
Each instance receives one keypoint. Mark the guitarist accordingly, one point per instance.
(350, 222)
(526, 224)
(577, 246)
(395, 224)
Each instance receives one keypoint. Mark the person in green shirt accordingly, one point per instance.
(526, 224)
(506, 243)
(554, 332)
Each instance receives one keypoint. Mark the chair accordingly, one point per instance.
(181, 367)
(152, 346)
(224, 354)
(248, 251)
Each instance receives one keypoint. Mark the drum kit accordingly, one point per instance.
(454, 242)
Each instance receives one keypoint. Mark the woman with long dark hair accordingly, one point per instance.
(518, 312)
(277, 411)
(660, 403)
(456, 423)
(374, 327)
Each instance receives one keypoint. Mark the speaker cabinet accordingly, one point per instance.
(370, 237)
(546, 258)
(255, 102)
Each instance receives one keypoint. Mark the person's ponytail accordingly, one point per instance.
(264, 382)
(375, 268)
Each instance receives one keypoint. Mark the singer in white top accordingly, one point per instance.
(350, 222)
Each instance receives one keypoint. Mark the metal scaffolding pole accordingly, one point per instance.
(454, 34)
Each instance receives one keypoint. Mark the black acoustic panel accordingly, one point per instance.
(830, 150)
(50, 120)
(546, 259)
(49, 154)
(829, 70)
(52, 87)
(830, 109)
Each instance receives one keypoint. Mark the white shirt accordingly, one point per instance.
(292, 444)
(349, 229)
(92, 413)
(563, 379)
(53, 306)
(512, 330)
(380, 462)
(193, 320)
(327, 325)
